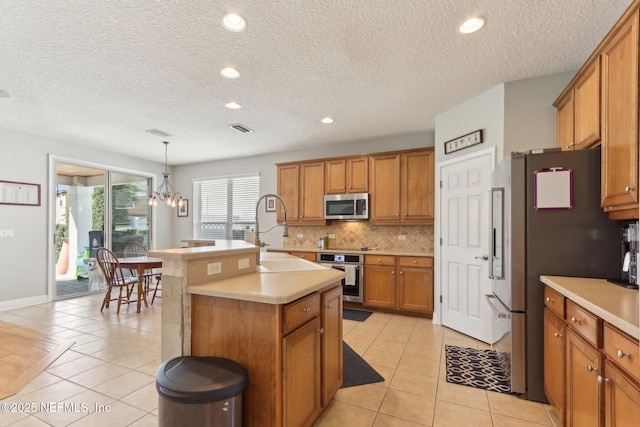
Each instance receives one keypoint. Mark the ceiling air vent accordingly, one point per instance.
(158, 132)
(240, 128)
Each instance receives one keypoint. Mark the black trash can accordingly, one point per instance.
(200, 391)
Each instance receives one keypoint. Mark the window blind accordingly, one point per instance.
(225, 206)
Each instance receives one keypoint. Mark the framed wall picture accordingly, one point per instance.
(183, 210)
(19, 193)
(271, 204)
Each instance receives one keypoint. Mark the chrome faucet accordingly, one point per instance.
(285, 231)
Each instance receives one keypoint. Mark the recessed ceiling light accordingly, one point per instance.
(230, 73)
(233, 106)
(471, 25)
(327, 120)
(234, 22)
(3, 94)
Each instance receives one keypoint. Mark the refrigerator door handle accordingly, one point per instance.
(500, 314)
(496, 232)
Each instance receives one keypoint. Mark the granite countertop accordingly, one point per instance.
(272, 287)
(614, 304)
(395, 252)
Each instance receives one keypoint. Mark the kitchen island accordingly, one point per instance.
(284, 327)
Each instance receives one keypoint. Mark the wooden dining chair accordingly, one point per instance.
(136, 250)
(115, 278)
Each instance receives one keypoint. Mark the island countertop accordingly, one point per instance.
(614, 304)
(270, 287)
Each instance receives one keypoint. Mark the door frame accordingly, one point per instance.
(437, 247)
(51, 228)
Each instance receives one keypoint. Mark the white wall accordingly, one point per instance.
(265, 166)
(24, 259)
(515, 116)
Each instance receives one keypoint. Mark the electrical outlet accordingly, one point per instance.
(332, 236)
(6, 234)
(214, 268)
(402, 237)
(243, 263)
(300, 235)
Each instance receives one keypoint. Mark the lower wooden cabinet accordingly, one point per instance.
(584, 397)
(554, 343)
(309, 256)
(331, 343)
(399, 283)
(621, 398)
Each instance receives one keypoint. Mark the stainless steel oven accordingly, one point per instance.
(353, 267)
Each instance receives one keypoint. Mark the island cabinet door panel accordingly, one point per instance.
(554, 361)
(331, 343)
(379, 286)
(584, 397)
(301, 365)
(622, 398)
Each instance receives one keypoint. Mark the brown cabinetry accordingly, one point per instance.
(401, 187)
(399, 283)
(347, 175)
(554, 343)
(620, 121)
(293, 352)
(301, 186)
(621, 397)
(309, 256)
(584, 398)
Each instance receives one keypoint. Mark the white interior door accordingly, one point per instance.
(464, 204)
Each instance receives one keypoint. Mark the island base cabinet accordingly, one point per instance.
(622, 398)
(302, 375)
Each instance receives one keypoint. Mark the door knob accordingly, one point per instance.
(483, 257)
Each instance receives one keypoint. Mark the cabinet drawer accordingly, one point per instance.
(554, 301)
(380, 260)
(587, 324)
(622, 350)
(298, 312)
(309, 256)
(415, 261)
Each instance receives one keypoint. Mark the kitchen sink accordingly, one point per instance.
(282, 265)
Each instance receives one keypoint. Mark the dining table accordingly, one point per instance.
(140, 264)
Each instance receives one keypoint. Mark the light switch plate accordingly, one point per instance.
(402, 237)
(214, 268)
(6, 234)
(300, 235)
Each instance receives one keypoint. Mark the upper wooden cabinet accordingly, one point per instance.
(620, 121)
(347, 175)
(578, 110)
(401, 187)
(301, 186)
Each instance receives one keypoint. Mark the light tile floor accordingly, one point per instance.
(108, 376)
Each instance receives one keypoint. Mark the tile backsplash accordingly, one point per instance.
(356, 234)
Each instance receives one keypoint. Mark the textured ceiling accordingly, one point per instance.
(100, 73)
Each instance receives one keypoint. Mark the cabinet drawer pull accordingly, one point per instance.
(321, 331)
(628, 188)
(557, 335)
(393, 272)
(574, 320)
(549, 299)
(621, 354)
(591, 368)
(328, 305)
(602, 380)
(415, 261)
(307, 310)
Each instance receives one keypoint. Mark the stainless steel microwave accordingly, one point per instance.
(346, 206)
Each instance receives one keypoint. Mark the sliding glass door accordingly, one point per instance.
(88, 202)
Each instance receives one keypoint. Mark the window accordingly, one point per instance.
(225, 207)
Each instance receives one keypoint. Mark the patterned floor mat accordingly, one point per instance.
(486, 369)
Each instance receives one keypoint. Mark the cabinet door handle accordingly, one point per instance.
(393, 272)
(402, 272)
(621, 354)
(549, 299)
(591, 368)
(321, 331)
(628, 188)
(328, 305)
(574, 320)
(307, 310)
(557, 335)
(602, 380)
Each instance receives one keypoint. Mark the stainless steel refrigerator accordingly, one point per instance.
(546, 219)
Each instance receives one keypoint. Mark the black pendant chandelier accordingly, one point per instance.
(165, 192)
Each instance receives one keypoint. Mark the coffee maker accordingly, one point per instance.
(629, 248)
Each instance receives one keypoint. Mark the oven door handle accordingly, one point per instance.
(499, 314)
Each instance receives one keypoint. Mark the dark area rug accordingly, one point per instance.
(355, 370)
(485, 369)
(357, 315)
